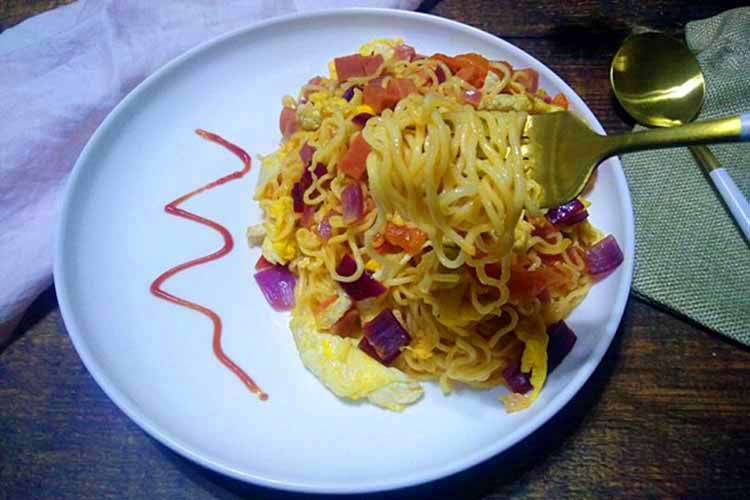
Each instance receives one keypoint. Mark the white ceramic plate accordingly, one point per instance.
(154, 359)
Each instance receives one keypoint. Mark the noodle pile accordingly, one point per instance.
(450, 226)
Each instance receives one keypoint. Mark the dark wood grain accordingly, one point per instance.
(14, 11)
(666, 414)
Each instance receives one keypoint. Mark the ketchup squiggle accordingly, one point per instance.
(172, 208)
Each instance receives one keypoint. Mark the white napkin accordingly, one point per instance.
(61, 72)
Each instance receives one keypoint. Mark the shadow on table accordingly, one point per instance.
(476, 482)
(42, 306)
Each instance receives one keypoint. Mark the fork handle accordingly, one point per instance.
(733, 129)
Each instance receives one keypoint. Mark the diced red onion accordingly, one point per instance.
(604, 257)
(547, 99)
(306, 180)
(365, 287)
(320, 170)
(306, 153)
(384, 337)
(349, 93)
(440, 74)
(517, 380)
(324, 228)
(473, 97)
(361, 119)
(569, 213)
(297, 197)
(561, 342)
(277, 284)
(307, 215)
(352, 201)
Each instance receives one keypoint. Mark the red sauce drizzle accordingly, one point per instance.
(172, 208)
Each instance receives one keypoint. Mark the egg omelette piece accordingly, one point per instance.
(347, 371)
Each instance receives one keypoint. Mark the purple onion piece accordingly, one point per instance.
(353, 202)
(349, 93)
(365, 287)
(306, 153)
(569, 213)
(320, 170)
(361, 119)
(307, 179)
(440, 74)
(518, 381)
(604, 257)
(324, 229)
(297, 197)
(277, 284)
(385, 336)
(561, 342)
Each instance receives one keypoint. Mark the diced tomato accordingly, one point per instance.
(356, 65)
(404, 52)
(550, 260)
(262, 264)
(542, 227)
(473, 97)
(377, 81)
(348, 325)
(287, 122)
(378, 98)
(525, 285)
(354, 161)
(493, 270)
(499, 72)
(480, 67)
(401, 87)
(316, 80)
(472, 68)
(529, 78)
(308, 213)
(560, 100)
(410, 239)
(449, 61)
(382, 246)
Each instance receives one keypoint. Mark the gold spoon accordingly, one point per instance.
(658, 81)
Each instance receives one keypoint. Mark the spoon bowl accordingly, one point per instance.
(658, 81)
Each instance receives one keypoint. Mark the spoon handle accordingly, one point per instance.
(733, 197)
(731, 129)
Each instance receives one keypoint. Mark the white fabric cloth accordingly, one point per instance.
(61, 72)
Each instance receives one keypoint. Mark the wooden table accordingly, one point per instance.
(666, 414)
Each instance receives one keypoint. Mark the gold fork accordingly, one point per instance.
(563, 151)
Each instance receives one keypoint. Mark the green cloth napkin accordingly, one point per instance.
(690, 257)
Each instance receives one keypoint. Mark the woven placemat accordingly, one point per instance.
(690, 256)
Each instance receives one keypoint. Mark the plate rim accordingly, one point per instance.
(556, 404)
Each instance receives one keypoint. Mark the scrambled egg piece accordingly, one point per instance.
(309, 117)
(382, 46)
(347, 371)
(507, 102)
(279, 245)
(331, 314)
